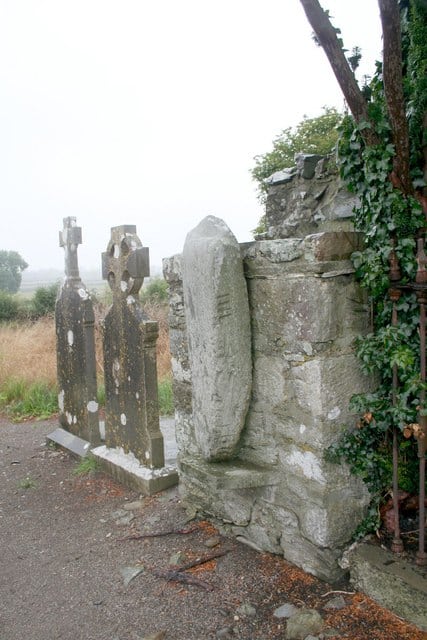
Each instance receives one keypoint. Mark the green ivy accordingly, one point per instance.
(384, 213)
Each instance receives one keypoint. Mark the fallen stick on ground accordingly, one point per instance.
(202, 560)
(158, 534)
(177, 574)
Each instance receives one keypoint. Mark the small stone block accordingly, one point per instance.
(75, 445)
(235, 474)
(126, 469)
(393, 583)
(331, 246)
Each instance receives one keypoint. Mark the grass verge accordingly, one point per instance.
(166, 407)
(20, 399)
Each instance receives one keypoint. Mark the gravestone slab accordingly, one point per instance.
(219, 337)
(75, 339)
(75, 445)
(132, 411)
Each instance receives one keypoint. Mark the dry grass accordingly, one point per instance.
(28, 350)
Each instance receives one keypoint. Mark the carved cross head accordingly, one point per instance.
(125, 263)
(69, 238)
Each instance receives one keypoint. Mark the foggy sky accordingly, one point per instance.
(150, 113)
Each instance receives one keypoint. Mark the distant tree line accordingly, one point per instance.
(11, 267)
(42, 303)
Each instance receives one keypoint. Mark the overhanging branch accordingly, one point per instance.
(328, 39)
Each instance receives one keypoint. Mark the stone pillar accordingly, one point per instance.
(219, 337)
(76, 363)
(130, 370)
(181, 370)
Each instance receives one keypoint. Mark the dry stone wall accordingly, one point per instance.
(307, 198)
(278, 492)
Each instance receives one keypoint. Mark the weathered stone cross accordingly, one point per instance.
(75, 332)
(69, 238)
(132, 411)
(125, 264)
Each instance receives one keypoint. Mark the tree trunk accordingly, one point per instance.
(328, 39)
(393, 89)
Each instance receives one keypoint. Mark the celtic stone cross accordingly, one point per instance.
(132, 411)
(125, 264)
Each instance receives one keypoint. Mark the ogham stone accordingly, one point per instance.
(130, 366)
(219, 337)
(75, 339)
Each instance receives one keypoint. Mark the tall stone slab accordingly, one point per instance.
(219, 337)
(75, 334)
(130, 369)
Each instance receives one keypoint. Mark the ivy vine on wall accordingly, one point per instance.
(388, 213)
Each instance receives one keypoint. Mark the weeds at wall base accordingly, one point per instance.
(86, 465)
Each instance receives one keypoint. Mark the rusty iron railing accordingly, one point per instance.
(418, 430)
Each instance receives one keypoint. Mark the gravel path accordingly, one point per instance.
(66, 557)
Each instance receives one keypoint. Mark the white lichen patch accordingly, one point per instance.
(61, 395)
(334, 413)
(123, 285)
(302, 428)
(123, 418)
(130, 300)
(137, 395)
(116, 252)
(307, 464)
(70, 338)
(83, 294)
(92, 406)
(147, 455)
(69, 417)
